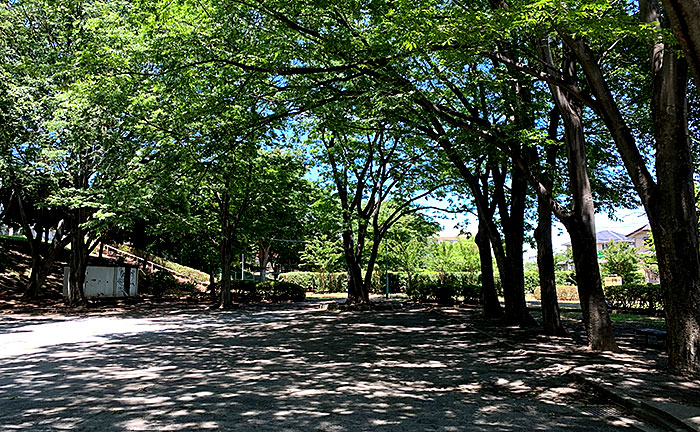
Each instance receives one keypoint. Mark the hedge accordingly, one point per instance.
(317, 282)
(465, 284)
(639, 296)
(274, 291)
(644, 296)
(564, 292)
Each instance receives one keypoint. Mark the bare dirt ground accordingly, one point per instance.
(290, 368)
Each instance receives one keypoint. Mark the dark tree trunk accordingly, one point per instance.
(37, 277)
(357, 291)
(685, 23)
(510, 260)
(580, 223)
(43, 256)
(78, 261)
(226, 246)
(672, 214)
(670, 203)
(138, 235)
(590, 290)
(492, 306)
(264, 253)
(545, 264)
(551, 320)
(226, 258)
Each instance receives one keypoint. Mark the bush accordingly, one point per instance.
(564, 292)
(244, 291)
(565, 277)
(157, 283)
(280, 291)
(532, 280)
(397, 282)
(471, 293)
(427, 287)
(317, 282)
(641, 296)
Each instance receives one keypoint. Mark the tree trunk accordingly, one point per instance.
(551, 319)
(511, 266)
(590, 290)
(41, 267)
(672, 215)
(226, 258)
(264, 253)
(545, 264)
(212, 287)
(489, 296)
(685, 24)
(581, 222)
(358, 292)
(78, 261)
(37, 277)
(670, 203)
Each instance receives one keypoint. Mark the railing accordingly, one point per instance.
(146, 263)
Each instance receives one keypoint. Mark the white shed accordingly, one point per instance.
(102, 281)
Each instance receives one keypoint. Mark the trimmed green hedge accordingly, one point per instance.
(424, 284)
(274, 291)
(317, 282)
(638, 296)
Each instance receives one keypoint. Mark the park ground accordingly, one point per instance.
(298, 366)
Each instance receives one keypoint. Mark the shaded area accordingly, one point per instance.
(290, 367)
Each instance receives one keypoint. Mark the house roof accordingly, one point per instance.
(640, 230)
(606, 236)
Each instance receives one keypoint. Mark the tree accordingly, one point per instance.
(73, 113)
(622, 260)
(460, 256)
(370, 164)
(407, 243)
(283, 211)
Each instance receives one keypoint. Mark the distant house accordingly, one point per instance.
(637, 239)
(450, 239)
(603, 239)
(640, 236)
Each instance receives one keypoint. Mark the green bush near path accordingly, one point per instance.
(425, 286)
(639, 296)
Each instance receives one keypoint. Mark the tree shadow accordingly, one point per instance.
(289, 368)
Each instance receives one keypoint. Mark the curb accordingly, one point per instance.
(639, 408)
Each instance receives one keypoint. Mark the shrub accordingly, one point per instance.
(471, 293)
(317, 282)
(532, 280)
(397, 282)
(427, 287)
(280, 291)
(564, 292)
(565, 277)
(646, 296)
(157, 283)
(244, 291)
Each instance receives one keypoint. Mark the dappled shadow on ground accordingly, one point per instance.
(289, 368)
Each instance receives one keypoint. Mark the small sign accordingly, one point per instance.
(613, 281)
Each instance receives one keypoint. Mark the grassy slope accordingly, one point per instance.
(15, 262)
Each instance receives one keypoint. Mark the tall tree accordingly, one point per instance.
(370, 164)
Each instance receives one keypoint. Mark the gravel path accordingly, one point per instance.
(289, 368)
